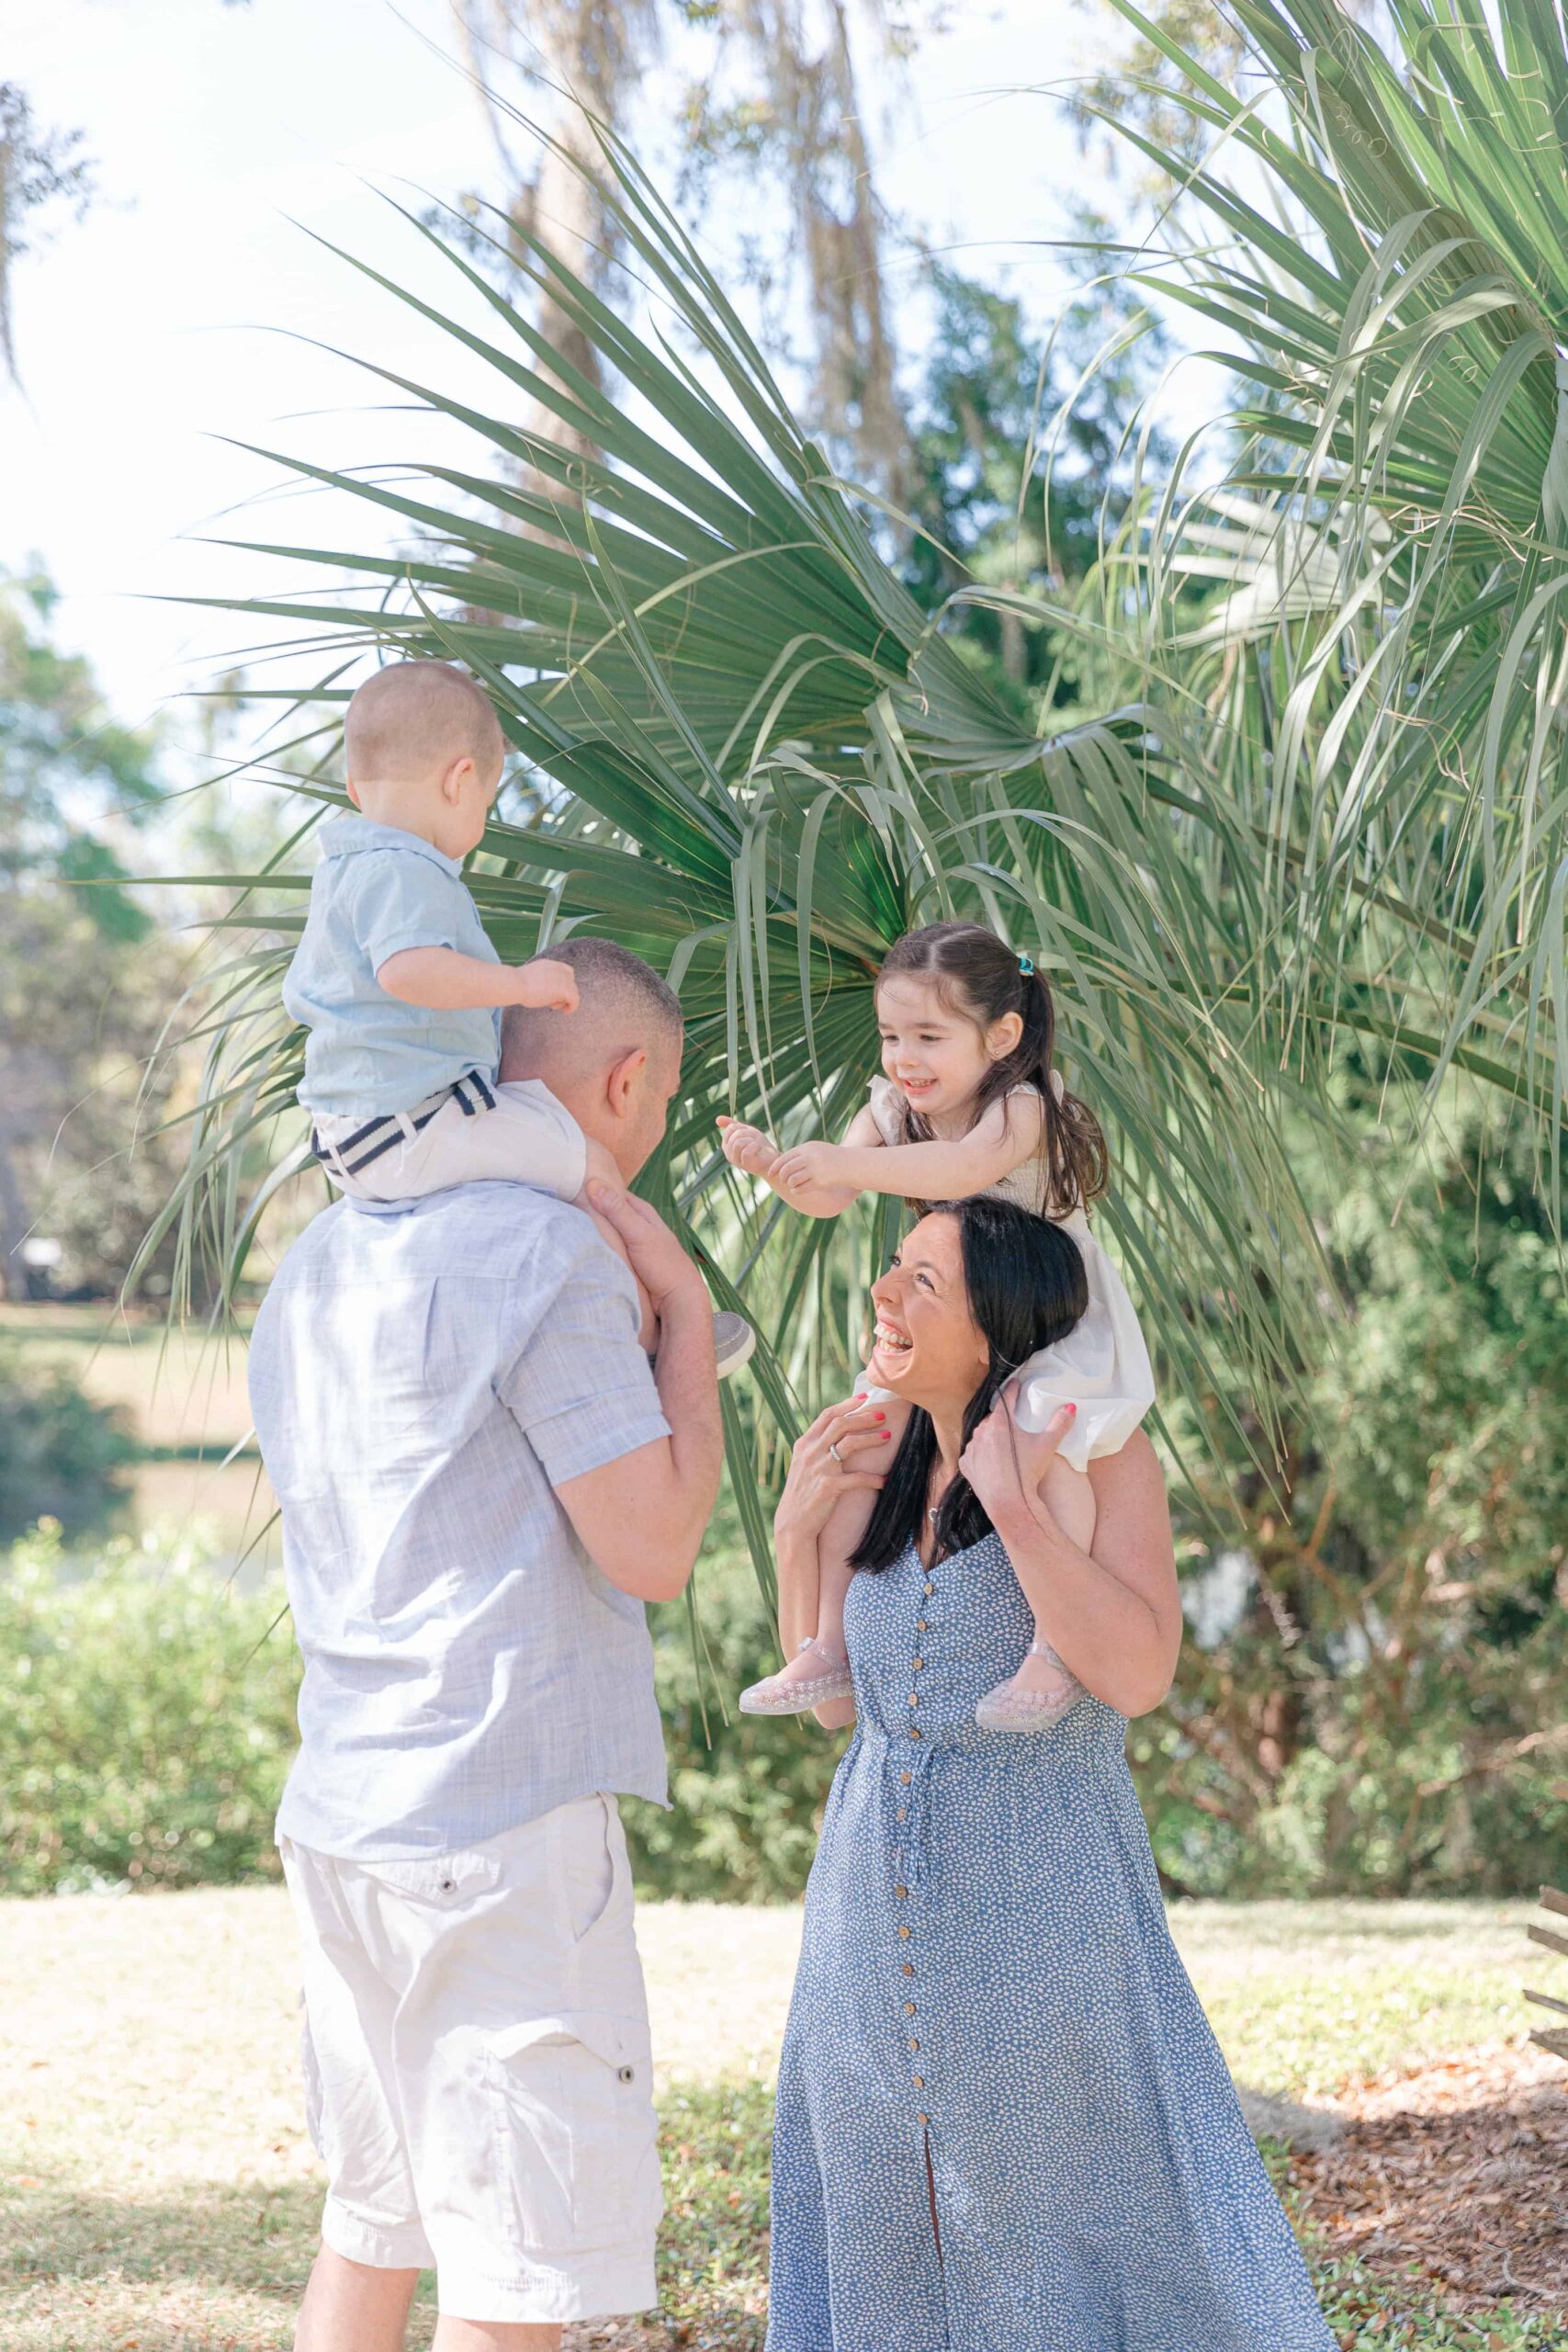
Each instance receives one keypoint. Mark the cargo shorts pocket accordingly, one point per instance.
(577, 2137)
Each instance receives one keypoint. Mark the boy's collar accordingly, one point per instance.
(351, 836)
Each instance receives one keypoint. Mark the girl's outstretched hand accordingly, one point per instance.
(809, 1165)
(747, 1148)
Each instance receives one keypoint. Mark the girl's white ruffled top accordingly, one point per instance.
(1102, 1366)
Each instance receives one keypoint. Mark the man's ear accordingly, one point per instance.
(623, 1079)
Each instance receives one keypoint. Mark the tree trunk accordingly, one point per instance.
(15, 1226)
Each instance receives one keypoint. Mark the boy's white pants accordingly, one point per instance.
(479, 2079)
(525, 1138)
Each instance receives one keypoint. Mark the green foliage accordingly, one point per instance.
(1376, 239)
(86, 987)
(39, 169)
(1385, 1711)
(747, 1792)
(1016, 458)
(62, 760)
(60, 1453)
(146, 1722)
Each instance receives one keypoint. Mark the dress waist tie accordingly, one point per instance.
(910, 1798)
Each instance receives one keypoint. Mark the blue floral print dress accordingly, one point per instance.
(1004, 2125)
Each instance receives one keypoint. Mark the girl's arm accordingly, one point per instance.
(747, 1147)
(1007, 1134)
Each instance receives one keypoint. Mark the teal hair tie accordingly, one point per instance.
(1026, 967)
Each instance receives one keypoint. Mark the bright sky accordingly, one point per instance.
(167, 324)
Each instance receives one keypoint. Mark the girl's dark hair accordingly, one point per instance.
(1027, 1288)
(975, 974)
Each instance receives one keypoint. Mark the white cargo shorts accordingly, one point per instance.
(477, 2068)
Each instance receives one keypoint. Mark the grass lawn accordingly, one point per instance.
(157, 2193)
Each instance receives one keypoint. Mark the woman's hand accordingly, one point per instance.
(843, 1451)
(1006, 1465)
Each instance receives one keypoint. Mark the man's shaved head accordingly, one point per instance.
(623, 1004)
(413, 718)
(616, 1062)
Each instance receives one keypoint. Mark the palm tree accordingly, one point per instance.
(1321, 808)
(1382, 250)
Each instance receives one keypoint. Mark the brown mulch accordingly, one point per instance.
(1461, 2168)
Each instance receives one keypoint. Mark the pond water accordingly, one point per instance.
(180, 1395)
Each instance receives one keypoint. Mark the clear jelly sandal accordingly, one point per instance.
(783, 1694)
(1019, 1705)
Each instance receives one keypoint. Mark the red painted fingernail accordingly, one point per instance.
(859, 1396)
(1069, 1410)
(886, 1437)
(879, 1417)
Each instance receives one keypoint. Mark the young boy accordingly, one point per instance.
(400, 987)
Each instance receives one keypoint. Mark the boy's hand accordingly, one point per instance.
(549, 985)
(809, 1164)
(747, 1148)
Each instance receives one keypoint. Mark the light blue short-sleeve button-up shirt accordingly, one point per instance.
(378, 891)
(423, 1374)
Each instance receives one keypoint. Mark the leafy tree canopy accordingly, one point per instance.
(65, 765)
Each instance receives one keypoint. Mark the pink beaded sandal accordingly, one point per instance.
(1014, 1706)
(783, 1695)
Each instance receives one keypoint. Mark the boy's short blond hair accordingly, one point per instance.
(413, 718)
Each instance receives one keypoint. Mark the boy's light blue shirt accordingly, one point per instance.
(378, 891)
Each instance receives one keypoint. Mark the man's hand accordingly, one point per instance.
(655, 1256)
(547, 985)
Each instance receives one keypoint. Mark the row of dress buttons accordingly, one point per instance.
(901, 1893)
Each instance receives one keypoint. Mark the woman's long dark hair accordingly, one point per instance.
(1027, 1288)
(977, 975)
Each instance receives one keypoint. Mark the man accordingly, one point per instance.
(481, 1483)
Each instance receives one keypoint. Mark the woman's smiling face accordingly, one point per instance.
(929, 1350)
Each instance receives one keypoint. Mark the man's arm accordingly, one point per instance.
(641, 1519)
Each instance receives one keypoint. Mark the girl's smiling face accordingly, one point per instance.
(929, 1350)
(936, 1055)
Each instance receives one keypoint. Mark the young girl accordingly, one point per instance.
(969, 1103)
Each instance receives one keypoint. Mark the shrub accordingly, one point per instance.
(146, 1721)
(60, 1453)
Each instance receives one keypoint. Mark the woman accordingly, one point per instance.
(1003, 2124)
